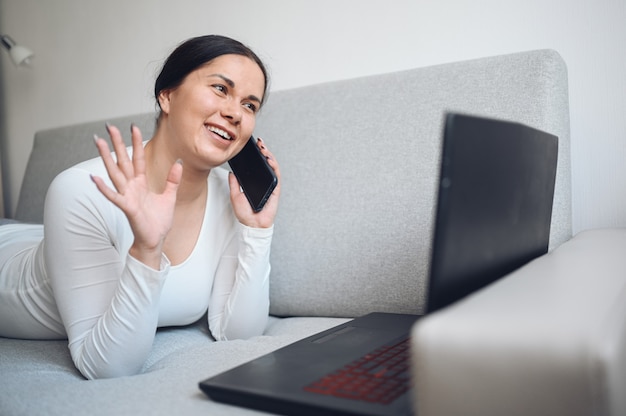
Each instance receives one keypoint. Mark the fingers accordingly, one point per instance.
(271, 160)
(173, 177)
(233, 183)
(116, 175)
(105, 190)
(268, 155)
(139, 160)
(123, 161)
(120, 168)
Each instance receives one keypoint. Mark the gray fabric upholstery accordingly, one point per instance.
(55, 150)
(549, 339)
(38, 377)
(360, 163)
(360, 160)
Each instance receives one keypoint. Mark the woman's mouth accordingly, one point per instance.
(223, 134)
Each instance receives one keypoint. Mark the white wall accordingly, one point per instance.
(98, 59)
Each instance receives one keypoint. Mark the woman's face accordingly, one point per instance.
(211, 115)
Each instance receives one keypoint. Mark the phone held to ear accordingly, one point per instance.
(255, 175)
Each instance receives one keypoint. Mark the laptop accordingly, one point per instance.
(493, 215)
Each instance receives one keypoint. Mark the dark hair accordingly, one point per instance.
(195, 52)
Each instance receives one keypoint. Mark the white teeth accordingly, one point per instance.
(220, 132)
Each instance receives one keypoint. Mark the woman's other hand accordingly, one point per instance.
(244, 212)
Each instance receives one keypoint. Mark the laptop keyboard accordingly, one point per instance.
(379, 376)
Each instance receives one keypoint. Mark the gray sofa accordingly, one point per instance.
(360, 162)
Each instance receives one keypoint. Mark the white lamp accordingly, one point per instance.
(20, 55)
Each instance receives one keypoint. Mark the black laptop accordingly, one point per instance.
(493, 215)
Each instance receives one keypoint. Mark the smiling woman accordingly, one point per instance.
(163, 236)
(212, 113)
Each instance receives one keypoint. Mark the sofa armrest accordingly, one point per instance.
(548, 339)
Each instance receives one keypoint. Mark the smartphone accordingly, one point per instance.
(256, 177)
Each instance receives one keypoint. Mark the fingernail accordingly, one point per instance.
(132, 126)
(108, 127)
(179, 161)
(91, 177)
(95, 138)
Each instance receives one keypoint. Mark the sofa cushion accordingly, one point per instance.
(38, 377)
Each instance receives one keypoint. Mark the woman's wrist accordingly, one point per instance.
(151, 257)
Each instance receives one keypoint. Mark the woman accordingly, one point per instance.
(162, 236)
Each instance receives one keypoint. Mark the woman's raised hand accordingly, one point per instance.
(149, 213)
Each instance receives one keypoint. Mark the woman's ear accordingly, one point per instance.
(164, 101)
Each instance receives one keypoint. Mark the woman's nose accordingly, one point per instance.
(232, 112)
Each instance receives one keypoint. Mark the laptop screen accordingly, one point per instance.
(494, 204)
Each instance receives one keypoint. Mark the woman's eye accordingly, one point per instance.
(219, 87)
(251, 107)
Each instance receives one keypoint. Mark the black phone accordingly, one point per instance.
(256, 177)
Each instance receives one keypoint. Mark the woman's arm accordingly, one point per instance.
(108, 301)
(239, 304)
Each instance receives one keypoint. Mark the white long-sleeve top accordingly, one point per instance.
(79, 280)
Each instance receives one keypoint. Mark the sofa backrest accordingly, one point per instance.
(55, 150)
(360, 162)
